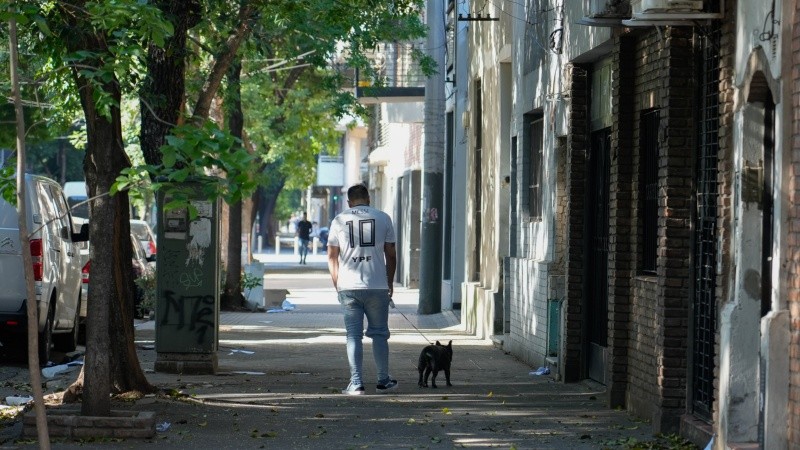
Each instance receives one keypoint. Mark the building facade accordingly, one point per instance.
(624, 169)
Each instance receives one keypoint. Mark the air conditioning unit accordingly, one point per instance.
(670, 12)
(666, 6)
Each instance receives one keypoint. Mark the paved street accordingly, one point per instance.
(280, 374)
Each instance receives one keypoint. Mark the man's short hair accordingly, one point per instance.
(357, 192)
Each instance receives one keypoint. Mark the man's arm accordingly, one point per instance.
(333, 265)
(390, 252)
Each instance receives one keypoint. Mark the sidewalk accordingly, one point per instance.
(280, 377)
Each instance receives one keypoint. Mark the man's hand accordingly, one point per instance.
(333, 265)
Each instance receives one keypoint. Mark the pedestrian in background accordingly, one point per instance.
(362, 261)
(303, 232)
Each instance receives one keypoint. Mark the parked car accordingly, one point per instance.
(146, 237)
(141, 268)
(54, 247)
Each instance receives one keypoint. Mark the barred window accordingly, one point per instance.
(648, 190)
(536, 154)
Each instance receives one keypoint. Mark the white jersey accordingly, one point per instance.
(360, 234)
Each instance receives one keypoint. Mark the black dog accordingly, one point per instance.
(433, 359)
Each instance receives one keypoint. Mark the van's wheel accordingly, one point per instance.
(46, 341)
(67, 342)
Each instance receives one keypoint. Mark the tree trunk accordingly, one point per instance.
(27, 259)
(111, 358)
(266, 199)
(164, 87)
(232, 292)
(223, 61)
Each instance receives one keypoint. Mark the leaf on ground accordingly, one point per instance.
(411, 422)
(446, 411)
(202, 424)
(490, 394)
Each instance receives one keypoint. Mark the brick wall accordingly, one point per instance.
(793, 235)
(650, 314)
(527, 337)
(623, 201)
(675, 203)
(575, 194)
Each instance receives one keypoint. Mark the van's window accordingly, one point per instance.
(62, 212)
(80, 211)
(47, 208)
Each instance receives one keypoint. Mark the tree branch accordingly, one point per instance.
(222, 63)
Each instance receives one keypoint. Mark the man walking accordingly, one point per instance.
(362, 262)
(303, 233)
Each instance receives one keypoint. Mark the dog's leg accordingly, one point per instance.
(427, 374)
(447, 375)
(421, 371)
(433, 379)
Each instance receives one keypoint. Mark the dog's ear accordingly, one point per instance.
(450, 344)
(437, 343)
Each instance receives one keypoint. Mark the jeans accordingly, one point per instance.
(303, 248)
(374, 304)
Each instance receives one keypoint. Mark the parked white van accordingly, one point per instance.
(56, 268)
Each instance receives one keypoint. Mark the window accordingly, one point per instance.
(536, 153)
(648, 188)
(477, 210)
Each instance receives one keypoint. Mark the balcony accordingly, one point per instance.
(397, 77)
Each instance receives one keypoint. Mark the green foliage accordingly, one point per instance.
(249, 282)
(287, 203)
(204, 155)
(147, 283)
(8, 184)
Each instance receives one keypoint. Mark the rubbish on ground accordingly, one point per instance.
(541, 371)
(285, 306)
(147, 347)
(246, 352)
(162, 427)
(51, 371)
(246, 372)
(17, 400)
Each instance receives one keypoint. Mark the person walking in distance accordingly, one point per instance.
(362, 260)
(303, 232)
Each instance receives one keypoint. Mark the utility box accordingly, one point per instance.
(187, 286)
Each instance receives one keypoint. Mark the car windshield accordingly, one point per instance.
(140, 231)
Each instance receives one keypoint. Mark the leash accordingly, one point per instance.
(391, 305)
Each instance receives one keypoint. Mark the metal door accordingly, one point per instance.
(705, 234)
(597, 254)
